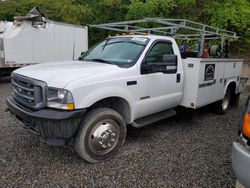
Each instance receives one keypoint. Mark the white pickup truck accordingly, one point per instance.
(124, 80)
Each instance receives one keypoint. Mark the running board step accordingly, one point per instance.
(153, 118)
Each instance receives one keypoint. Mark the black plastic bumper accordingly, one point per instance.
(52, 126)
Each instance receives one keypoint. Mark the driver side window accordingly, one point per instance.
(158, 51)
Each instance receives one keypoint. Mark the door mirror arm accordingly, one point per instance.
(81, 56)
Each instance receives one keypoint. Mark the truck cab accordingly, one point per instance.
(133, 75)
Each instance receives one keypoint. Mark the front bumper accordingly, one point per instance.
(241, 163)
(51, 126)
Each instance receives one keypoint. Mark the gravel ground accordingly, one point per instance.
(184, 151)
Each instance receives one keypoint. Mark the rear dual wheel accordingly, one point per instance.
(101, 135)
(222, 106)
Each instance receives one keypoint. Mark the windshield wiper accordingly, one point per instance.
(101, 60)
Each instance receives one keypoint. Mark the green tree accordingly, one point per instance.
(138, 9)
(230, 14)
(8, 10)
(59, 10)
(105, 11)
(185, 9)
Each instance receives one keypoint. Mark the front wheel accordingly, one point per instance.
(222, 106)
(101, 135)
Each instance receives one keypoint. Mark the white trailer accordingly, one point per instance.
(33, 40)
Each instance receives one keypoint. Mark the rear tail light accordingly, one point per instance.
(246, 125)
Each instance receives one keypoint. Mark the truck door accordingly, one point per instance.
(159, 91)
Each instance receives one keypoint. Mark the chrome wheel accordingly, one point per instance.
(104, 137)
(101, 135)
(226, 100)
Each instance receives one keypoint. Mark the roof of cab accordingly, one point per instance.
(151, 37)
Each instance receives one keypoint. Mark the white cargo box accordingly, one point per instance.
(207, 79)
(54, 41)
(34, 39)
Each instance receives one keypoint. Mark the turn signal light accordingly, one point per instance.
(70, 106)
(246, 125)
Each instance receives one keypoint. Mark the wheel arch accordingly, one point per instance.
(232, 86)
(116, 103)
(235, 94)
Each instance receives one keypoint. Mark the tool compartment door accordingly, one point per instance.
(211, 85)
(233, 68)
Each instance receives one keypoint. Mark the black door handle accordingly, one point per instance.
(178, 77)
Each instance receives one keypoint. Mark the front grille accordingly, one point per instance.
(29, 92)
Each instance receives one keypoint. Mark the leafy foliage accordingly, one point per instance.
(149, 8)
(8, 10)
(58, 10)
(228, 14)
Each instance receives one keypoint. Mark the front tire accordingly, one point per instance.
(101, 135)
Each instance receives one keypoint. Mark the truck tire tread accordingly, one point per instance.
(80, 145)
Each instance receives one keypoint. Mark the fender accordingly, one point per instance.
(232, 80)
(106, 92)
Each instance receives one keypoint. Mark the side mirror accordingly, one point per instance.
(170, 63)
(81, 58)
(167, 64)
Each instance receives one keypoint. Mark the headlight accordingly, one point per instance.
(59, 98)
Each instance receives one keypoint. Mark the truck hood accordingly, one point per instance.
(59, 74)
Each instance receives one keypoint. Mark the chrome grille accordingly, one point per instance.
(29, 92)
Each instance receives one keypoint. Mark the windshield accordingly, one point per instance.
(122, 51)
